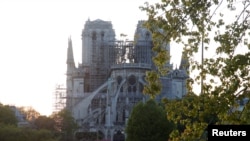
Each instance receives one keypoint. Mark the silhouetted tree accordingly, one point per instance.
(148, 122)
(65, 124)
(44, 122)
(7, 115)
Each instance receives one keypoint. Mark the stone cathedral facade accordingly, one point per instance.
(102, 91)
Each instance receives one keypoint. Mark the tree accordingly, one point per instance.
(64, 124)
(44, 122)
(147, 122)
(30, 113)
(13, 133)
(201, 26)
(7, 115)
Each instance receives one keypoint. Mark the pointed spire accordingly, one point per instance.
(70, 56)
(184, 64)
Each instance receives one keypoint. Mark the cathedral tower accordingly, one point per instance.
(143, 44)
(96, 38)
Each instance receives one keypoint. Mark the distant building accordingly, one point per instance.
(102, 91)
(242, 103)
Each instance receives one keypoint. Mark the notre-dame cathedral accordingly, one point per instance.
(102, 90)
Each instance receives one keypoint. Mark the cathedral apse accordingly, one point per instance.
(102, 91)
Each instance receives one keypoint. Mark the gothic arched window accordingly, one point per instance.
(147, 35)
(119, 80)
(102, 35)
(132, 80)
(93, 35)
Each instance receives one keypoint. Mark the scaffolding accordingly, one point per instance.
(59, 97)
(98, 71)
(121, 52)
(106, 54)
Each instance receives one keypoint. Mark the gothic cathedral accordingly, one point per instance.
(102, 91)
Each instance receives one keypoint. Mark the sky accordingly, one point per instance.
(34, 39)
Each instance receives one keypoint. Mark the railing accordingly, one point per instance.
(131, 65)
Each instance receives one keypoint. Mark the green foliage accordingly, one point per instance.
(153, 87)
(7, 115)
(192, 114)
(245, 114)
(148, 122)
(10, 132)
(224, 77)
(13, 133)
(44, 122)
(64, 124)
